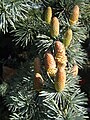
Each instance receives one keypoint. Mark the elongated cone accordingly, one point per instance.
(74, 70)
(38, 82)
(48, 15)
(37, 65)
(50, 64)
(60, 57)
(67, 38)
(54, 27)
(75, 15)
(60, 79)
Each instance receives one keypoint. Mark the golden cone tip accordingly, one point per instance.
(67, 38)
(48, 15)
(54, 27)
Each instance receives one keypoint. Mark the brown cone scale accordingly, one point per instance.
(59, 47)
(50, 64)
(38, 82)
(74, 15)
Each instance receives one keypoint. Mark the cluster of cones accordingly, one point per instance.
(54, 23)
(55, 64)
(73, 18)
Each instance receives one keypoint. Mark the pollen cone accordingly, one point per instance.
(60, 79)
(38, 82)
(74, 15)
(67, 38)
(54, 27)
(48, 15)
(60, 57)
(50, 64)
(59, 47)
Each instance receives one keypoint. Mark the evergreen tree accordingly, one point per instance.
(46, 86)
